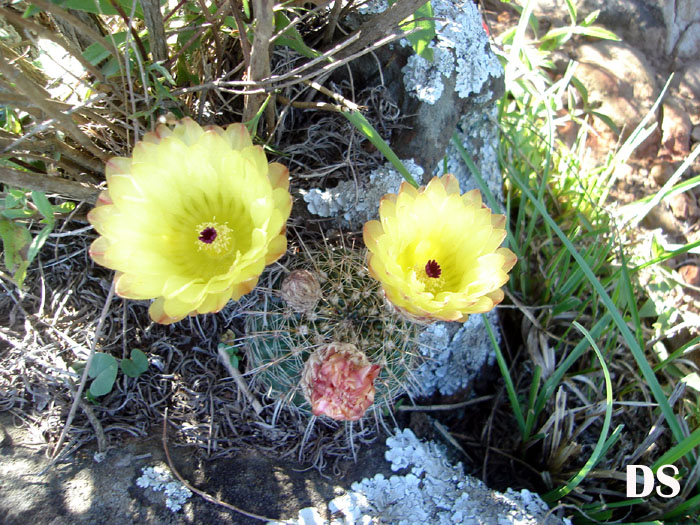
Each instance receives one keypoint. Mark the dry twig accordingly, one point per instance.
(83, 379)
(207, 497)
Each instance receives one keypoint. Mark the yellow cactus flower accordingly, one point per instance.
(191, 218)
(436, 252)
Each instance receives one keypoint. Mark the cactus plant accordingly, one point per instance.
(280, 336)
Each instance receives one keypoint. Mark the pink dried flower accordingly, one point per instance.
(338, 381)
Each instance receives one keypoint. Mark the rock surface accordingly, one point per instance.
(428, 489)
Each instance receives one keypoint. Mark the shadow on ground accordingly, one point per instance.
(84, 491)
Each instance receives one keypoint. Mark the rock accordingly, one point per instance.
(456, 355)
(675, 129)
(640, 23)
(684, 207)
(660, 217)
(682, 18)
(689, 85)
(464, 77)
(428, 489)
(661, 171)
(695, 134)
(620, 78)
(689, 44)
(690, 273)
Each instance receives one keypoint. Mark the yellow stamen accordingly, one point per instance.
(433, 285)
(214, 238)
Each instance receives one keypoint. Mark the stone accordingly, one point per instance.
(474, 83)
(675, 129)
(661, 171)
(622, 83)
(682, 19)
(620, 78)
(689, 85)
(640, 23)
(689, 43)
(695, 134)
(660, 217)
(684, 207)
(690, 273)
(427, 488)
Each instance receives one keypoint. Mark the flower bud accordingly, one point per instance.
(338, 381)
(301, 291)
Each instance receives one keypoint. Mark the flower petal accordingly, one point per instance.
(178, 185)
(456, 235)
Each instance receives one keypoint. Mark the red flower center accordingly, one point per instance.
(207, 235)
(432, 269)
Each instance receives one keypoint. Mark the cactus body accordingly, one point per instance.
(280, 336)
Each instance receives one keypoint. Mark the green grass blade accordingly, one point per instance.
(681, 449)
(628, 290)
(532, 399)
(598, 451)
(677, 353)
(629, 338)
(666, 188)
(669, 255)
(692, 504)
(510, 389)
(358, 120)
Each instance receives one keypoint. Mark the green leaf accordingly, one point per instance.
(232, 353)
(291, 38)
(14, 238)
(64, 207)
(591, 18)
(597, 32)
(423, 20)
(17, 214)
(44, 206)
(160, 69)
(38, 242)
(135, 366)
(364, 127)
(103, 372)
(648, 309)
(95, 53)
(572, 11)
(252, 124)
(101, 7)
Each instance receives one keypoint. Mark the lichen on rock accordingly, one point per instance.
(462, 47)
(433, 491)
(358, 204)
(454, 359)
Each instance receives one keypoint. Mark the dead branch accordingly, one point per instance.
(46, 183)
(260, 54)
(154, 22)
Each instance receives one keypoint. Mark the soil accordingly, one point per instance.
(83, 491)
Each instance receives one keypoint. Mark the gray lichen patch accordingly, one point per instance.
(158, 478)
(478, 133)
(431, 490)
(462, 48)
(454, 359)
(356, 204)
